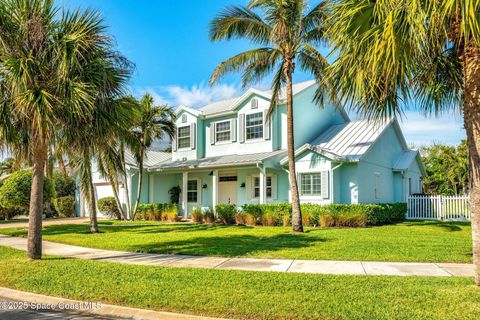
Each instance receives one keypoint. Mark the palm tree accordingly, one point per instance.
(54, 65)
(390, 52)
(154, 123)
(286, 36)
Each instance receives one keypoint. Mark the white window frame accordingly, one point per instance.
(262, 125)
(229, 131)
(185, 137)
(272, 186)
(198, 191)
(310, 195)
(254, 104)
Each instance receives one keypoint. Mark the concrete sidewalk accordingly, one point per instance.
(47, 222)
(277, 265)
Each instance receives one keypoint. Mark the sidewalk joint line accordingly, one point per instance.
(218, 265)
(451, 274)
(290, 265)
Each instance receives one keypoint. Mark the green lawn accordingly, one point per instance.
(429, 241)
(13, 221)
(243, 294)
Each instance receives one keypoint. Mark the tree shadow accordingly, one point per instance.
(229, 246)
(450, 226)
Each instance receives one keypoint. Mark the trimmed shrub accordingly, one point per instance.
(197, 215)
(208, 216)
(65, 206)
(167, 212)
(241, 218)
(226, 213)
(108, 206)
(16, 189)
(250, 219)
(269, 220)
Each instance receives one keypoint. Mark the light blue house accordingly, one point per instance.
(231, 152)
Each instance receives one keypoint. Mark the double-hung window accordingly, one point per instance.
(192, 191)
(183, 137)
(254, 126)
(222, 131)
(310, 184)
(256, 187)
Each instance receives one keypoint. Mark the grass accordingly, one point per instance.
(13, 221)
(243, 294)
(425, 241)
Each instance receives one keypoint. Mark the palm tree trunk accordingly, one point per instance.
(34, 247)
(296, 209)
(90, 189)
(471, 110)
(139, 187)
(114, 182)
(125, 184)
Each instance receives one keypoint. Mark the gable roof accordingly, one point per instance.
(406, 159)
(229, 105)
(349, 141)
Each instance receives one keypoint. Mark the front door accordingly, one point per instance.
(227, 190)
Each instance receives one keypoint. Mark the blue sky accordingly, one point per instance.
(168, 42)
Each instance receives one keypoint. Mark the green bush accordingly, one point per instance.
(65, 206)
(330, 215)
(197, 215)
(108, 206)
(16, 189)
(226, 213)
(64, 186)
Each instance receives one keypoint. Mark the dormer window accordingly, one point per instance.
(183, 137)
(254, 103)
(184, 118)
(254, 126)
(222, 131)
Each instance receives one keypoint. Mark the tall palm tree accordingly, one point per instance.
(155, 122)
(394, 51)
(54, 64)
(286, 35)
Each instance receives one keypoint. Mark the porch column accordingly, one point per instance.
(214, 190)
(185, 195)
(263, 184)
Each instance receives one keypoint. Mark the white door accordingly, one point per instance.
(227, 191)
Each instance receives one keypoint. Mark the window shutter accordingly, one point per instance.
(174, 140)
(248, 188)
(274, 186)
(192, 135)
(212, 133)
(233, 130)
(324, 185)
(266, 125)
(241, 124)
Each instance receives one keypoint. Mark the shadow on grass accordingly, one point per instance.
(229, 246)
(451, 226)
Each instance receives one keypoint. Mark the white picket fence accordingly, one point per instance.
(438, 207)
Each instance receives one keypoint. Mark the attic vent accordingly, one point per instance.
(184, 118)
(254, 103)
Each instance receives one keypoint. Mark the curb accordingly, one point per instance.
(104, 310)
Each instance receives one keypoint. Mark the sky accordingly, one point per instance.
(168, 42)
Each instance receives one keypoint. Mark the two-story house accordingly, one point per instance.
(231, 151)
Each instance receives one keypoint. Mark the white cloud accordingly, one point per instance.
(194, 96)
(424, 130)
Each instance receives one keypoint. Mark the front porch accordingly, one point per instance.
(202, 188)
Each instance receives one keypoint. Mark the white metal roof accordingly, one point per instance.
(350, 140)
(230, 104)
(219, 161)
(406, 159)
(151, 158)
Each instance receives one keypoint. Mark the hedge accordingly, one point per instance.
(159, 212)
(330, 215)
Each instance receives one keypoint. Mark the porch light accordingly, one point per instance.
(242, 185)
(204, 186)
(210, 173)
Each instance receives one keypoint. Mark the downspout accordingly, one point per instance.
(331, 181)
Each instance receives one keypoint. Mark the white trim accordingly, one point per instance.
(256, 111)
(189, 137)
(199, 190)
(229, 121)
